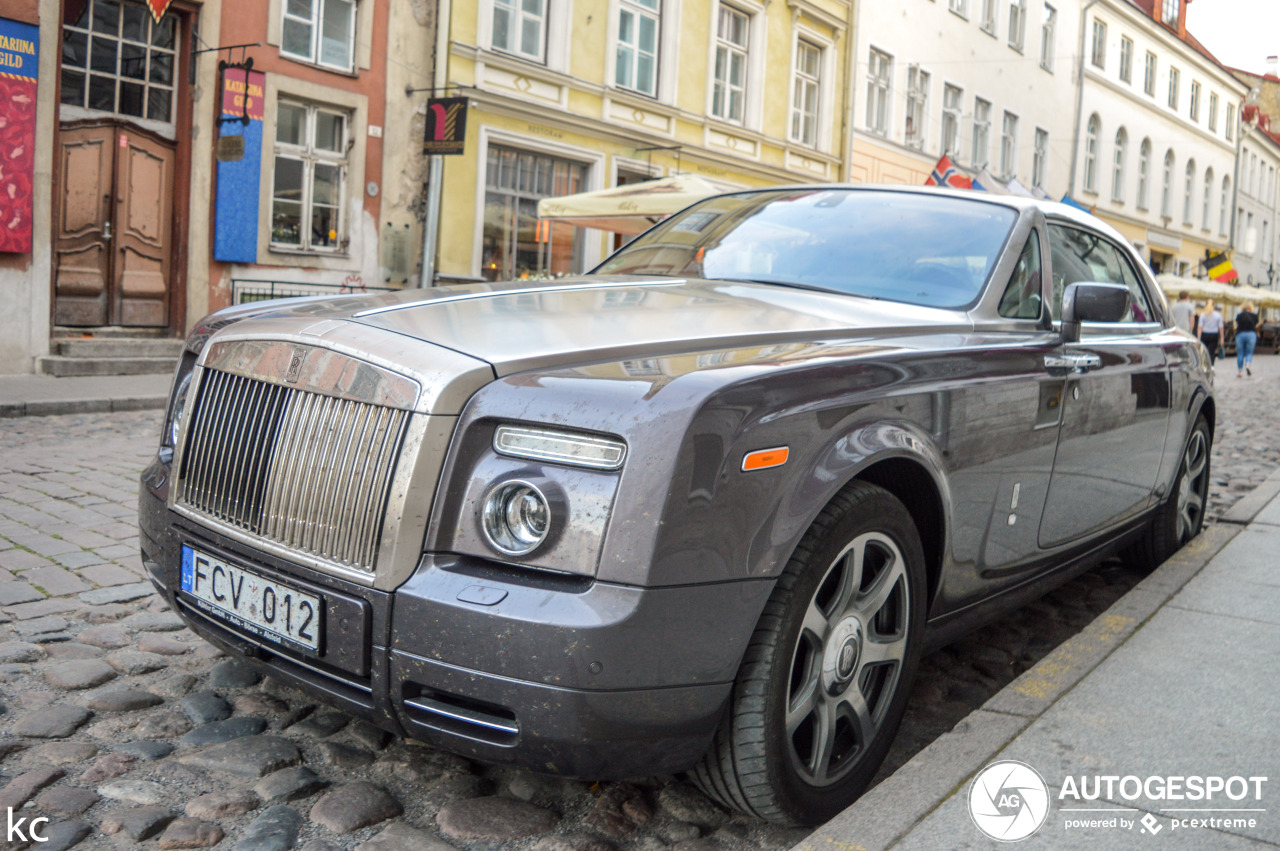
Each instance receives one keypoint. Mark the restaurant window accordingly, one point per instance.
(322, 32)
(516, 244)
(309, 178)
(116, 58)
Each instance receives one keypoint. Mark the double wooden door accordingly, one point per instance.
(113, 241)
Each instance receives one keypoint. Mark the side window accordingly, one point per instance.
(1079, 255)
(1021, 299)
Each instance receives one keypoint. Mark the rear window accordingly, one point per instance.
(922, 249)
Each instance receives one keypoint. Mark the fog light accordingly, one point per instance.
(516, 518)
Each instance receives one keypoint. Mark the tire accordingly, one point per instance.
(825, 678)
(1181, 517)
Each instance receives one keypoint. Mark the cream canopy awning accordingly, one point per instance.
(1220, 293)
(630, 209)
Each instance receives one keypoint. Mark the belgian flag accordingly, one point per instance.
(1220, 269)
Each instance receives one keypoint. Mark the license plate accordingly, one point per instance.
(257, 605)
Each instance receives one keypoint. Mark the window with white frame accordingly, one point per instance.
(981, 150)
(879, 77)
(1091, 154)
(1222, 208)
(1009, 145)
(729, 86)
(1213, 112)
(1188, 189)
(1166, 186)
(917, 106)
(639, 25)
(1098, 52)
(1149, 75)
(1175, 83)
(1048, 37)
(1195, 100)
(1169, 12)
(1230, 126)
(322, 32)
(960, 7)
(1208, 191)
(132, 66)
(952, 98)
(804, 100)
(1117, 165)
(520, 27)
(309, 178)
(1126, 59)
(1018, 24)
(1040, 158)
(1144, 173)
(988, 22)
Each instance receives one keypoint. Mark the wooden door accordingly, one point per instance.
(82, 233)
(113, 247)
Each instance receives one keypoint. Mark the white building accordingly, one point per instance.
(1256, 201)
(1158, 131)
(991, 82)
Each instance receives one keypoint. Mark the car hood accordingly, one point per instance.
(519, 326)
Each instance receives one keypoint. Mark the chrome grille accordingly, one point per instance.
(306, 471)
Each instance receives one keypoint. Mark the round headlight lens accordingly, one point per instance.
(175, 413)
(516, 518)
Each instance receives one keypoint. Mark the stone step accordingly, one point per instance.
(100, 332)
(74, 347)
(62, 367)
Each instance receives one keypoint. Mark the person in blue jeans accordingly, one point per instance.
(1246, 339)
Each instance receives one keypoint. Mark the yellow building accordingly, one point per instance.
(568, 98)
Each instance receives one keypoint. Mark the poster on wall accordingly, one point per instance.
(19, 52)
(239, 154)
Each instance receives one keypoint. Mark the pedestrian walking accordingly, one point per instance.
(1211, 330)
(1246, 339)
(1184, 312)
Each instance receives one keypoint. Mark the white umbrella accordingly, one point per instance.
(630, 209)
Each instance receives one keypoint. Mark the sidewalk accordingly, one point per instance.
(1180, 678)
(42, 395)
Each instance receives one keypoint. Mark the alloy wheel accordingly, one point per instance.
(1193, 485)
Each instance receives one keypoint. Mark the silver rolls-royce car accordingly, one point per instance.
(700, 510)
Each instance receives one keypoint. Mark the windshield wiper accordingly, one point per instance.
(794, 284)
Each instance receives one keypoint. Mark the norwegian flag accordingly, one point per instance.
(945, 173)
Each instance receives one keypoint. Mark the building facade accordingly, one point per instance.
(1158, 131)
(984, 81)
(567, 97)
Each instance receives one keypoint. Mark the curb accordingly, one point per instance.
(1251, 505)
(13, 410)
(890, 810)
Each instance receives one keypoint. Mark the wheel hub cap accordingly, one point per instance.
(840, 659)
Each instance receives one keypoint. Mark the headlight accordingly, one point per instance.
(516, 518)
(561, 447)
(175, 410)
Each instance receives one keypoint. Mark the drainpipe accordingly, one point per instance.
(1075, 141)
(435, 174)
(1243, 127)
(850, 83)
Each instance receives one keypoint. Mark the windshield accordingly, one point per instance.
(923, 249)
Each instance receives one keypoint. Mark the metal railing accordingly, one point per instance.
(244, 290)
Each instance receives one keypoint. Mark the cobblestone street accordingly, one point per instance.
(122, 727)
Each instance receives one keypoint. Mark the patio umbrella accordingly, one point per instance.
(1221, 293)
(630, 209)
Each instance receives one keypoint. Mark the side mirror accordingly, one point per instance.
(1090, 302)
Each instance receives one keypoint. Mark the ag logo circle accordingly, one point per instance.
(1008, 800)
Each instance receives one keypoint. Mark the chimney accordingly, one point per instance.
(1273, 66)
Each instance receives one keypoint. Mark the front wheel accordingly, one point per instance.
(1181, 517)
(826, 676)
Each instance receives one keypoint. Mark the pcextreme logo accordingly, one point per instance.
(1009, 801)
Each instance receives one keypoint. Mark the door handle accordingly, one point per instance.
(106, 231)
(1073, 363)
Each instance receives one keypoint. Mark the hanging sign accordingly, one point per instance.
(446, 126)
(158, 8)
(239, 154)
(19, 52)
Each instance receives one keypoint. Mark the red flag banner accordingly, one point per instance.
(19, 52)
(158, 8)
(947, 173)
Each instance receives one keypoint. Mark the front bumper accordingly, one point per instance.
(559, 675)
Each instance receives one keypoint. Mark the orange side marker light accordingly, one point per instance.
(763, 459)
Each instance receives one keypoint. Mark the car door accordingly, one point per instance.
(1116, 403)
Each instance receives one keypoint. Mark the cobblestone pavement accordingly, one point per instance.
(123, 727)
